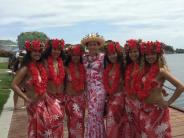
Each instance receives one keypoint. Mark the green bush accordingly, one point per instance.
(30, 36)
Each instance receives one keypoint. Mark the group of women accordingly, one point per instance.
(122, 92)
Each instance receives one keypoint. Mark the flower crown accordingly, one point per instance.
(93, 37)
(150, 46)
(56, 43)
(131, 44)
(113, 47)
(33, 45)
(75, 50)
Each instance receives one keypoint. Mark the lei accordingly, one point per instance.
(130, 79)
(57, 78)
(148, 81)
(40, 86)
(111, 89)
(77, 82)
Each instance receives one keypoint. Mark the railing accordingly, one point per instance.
(174, 106)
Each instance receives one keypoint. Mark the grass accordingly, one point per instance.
(4, 65)
(4, 86)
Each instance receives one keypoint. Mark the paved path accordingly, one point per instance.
(18, 125)
(15, 126)
(5, 117)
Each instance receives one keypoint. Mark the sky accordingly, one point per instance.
(118, 20)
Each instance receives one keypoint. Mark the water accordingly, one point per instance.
(176, 66)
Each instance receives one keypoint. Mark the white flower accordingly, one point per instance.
(161, 128)
(148, 125)
(143, 135)
(55, 117)
(48, 133)
(76, 107)
(40, 104)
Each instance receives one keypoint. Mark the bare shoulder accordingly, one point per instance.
(23, 70)
(164, 72)
(21, 74)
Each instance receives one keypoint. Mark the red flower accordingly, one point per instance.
(113, 88)
(78, 83)
(131, 44)
(148, 81)
(76, 50)
(57, 78)
(57, 43)
(33, 45)
(111, 48)
(131, 77)
(39, 78)
(27, 45)
(151, 47)
(118, 47)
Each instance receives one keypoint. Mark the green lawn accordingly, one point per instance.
(4, 65)
(4, 86)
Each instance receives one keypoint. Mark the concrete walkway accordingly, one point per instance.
(15, 126)
(5, 117)
(18, 126)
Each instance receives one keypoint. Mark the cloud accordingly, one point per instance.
(150, 19)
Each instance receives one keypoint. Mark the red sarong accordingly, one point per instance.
(45, 119)
(75, 111)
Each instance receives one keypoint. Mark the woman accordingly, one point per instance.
(17, 65)
(116, 123)
(93, 62)
(40, 109)
(75, 100)
(154, 116)
(133, 70)
(56, 74)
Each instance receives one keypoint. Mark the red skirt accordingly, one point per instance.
(155, 121)
(117, 125)
(75, 111)
(45, 119)
(133, 107)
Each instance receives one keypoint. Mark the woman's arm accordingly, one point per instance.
(16, 82)
(172, 79)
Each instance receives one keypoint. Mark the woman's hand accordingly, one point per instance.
(163, 104)
(28, 100)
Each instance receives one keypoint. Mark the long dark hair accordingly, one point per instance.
(48, 51)
(69, 59)
(129, 61)
(120, 60)
(27, 58)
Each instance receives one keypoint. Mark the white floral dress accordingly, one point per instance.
(95, 97)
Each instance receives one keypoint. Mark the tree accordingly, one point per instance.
(30, 36)
(169, 49)
(179, 50)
